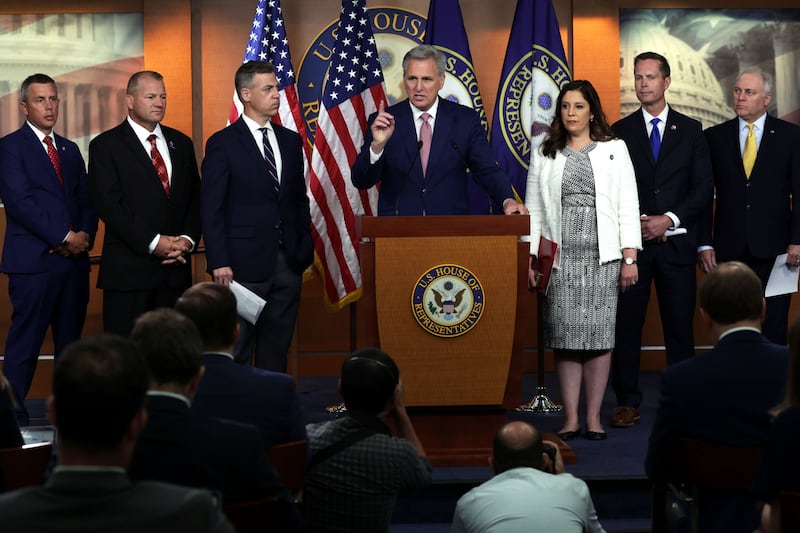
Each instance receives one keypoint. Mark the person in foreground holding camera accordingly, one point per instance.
(529, 492)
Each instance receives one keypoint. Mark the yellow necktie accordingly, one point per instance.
(749, 154)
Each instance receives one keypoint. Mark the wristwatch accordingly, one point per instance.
(630, 261)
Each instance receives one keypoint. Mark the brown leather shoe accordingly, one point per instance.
(625, 417)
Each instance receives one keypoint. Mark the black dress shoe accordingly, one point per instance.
(595, 435)
(569, 435)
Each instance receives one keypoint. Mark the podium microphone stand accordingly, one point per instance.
(540, 403)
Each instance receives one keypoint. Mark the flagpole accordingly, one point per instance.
(540, 403)
(339, 408)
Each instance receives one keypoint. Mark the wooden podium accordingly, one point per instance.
(459, 376)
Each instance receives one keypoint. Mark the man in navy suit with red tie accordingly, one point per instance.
(256, 218)
(50, 227)
(756, 164)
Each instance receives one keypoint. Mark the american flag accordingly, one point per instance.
(267, 42)
(352, 91)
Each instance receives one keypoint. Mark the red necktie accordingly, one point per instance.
(158, 162)
(426, 136)
(52, 153)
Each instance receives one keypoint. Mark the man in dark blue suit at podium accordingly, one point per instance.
(420, 149)
(50, 227)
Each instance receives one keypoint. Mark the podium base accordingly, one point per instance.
(337, 409)
(540, 403)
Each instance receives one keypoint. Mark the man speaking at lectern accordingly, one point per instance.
(420, 149)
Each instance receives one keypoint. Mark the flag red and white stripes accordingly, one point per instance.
(352, 91)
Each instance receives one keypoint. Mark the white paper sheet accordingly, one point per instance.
(782, 279)
(248, 304)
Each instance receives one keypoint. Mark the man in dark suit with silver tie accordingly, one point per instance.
(256, 218)
(50, 227)
(756, 165)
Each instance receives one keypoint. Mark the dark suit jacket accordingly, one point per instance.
(755, 213)
(178, 446)
(679, 182)
(250, 395)
(99, 502)
(459, 143)
(39, 211)
(243, 218)
(723, 396)
(128, 196)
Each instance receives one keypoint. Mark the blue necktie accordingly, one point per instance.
(655, 138)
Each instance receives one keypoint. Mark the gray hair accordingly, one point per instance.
(765, 77)
(423, 52)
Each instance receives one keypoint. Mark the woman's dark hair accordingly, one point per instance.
(599, 130)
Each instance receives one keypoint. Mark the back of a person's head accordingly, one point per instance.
(731, 293)
(792, 397)
(368, 380)
(99, 385)
(517, 444)
(170, 345)
(212, 308)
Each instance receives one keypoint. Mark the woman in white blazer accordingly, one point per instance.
(581, 193)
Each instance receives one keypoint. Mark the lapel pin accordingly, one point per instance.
(171, 145)
(673, 127)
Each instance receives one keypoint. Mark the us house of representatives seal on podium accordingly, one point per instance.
(447, 300)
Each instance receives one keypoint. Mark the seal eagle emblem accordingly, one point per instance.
(447, 300)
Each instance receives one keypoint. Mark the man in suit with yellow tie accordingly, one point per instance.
(756, 164)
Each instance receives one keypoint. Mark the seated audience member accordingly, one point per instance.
(530, 491)
(725, 395)
(357, 467)
(183, 447)
(230, 390)
(780, 462)
(96, 405)
(10, 437)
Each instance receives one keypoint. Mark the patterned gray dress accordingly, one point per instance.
(581, 304)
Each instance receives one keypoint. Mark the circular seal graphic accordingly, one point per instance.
(536, 78)
(447, 300)
(396, 31)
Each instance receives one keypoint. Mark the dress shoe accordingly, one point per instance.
(625, 417)
(595, 435)
(569, 435)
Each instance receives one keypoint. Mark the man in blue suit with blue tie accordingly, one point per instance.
(421, 149)
(255, 215)
(50, 227)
